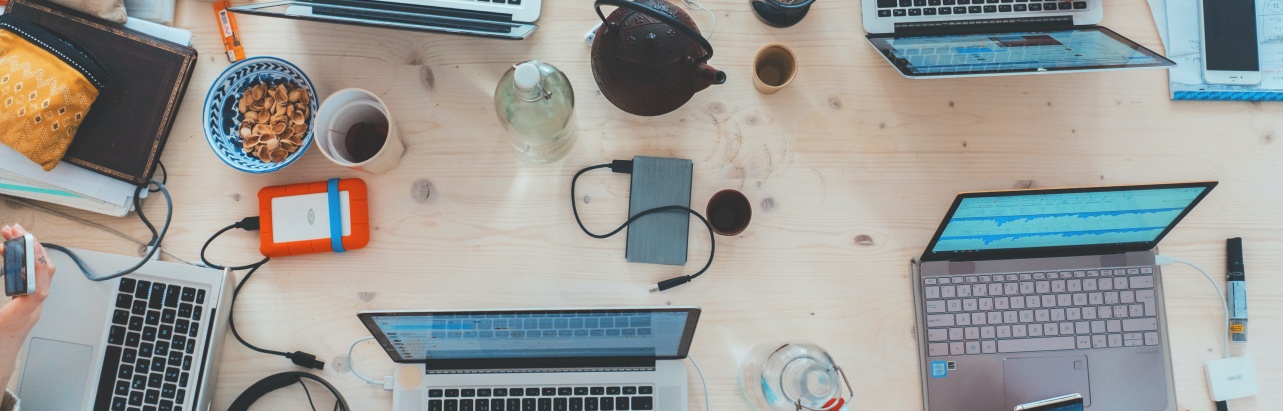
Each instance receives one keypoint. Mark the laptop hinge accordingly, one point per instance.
(927, 28)
(539, 365)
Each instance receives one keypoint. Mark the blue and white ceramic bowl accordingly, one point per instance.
(222, 119)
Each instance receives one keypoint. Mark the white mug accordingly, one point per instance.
(339, 113)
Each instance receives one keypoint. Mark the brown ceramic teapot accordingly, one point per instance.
(649, 58)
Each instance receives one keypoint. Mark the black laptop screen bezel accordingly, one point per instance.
(879, 43)
(1060, 251)
(683, 349)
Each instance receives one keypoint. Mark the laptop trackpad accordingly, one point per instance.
(54, 375)
(1039, 378)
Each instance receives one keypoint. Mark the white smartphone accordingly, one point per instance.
(1230, 52)
(1071, 402)
(20, 265)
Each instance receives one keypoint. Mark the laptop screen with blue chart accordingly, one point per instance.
(1085, 48)
(1129, 218)
(544, 334)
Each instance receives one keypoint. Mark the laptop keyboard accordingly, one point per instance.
(150, 347)
(590, 398)
(916, 8)
(1040, 311)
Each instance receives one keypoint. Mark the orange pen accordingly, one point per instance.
(231, 35)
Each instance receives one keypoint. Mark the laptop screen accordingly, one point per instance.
(1134, 218)
(543, 334)
(1080, 48)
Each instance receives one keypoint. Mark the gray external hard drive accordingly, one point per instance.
(659, 238)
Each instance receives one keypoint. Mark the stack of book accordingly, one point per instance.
(117, 148)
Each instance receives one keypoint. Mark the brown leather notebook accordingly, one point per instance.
(125, 131)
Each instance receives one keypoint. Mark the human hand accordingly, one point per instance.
(21, 314)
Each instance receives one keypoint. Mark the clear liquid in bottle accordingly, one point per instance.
(536, 105)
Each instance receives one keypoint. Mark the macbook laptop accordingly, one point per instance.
(955, 38)
(510, 19)
(1027, 295)
(147, 341)
(561, 359)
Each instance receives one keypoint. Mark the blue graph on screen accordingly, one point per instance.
(1050, 220)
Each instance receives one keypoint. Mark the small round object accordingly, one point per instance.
(222, 119)
(408, 377)
(526, 76)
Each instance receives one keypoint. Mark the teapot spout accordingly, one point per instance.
(709, 76)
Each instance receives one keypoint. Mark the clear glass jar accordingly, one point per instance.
(536, 105)
(793, 376)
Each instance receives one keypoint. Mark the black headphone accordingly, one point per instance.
(278, 381)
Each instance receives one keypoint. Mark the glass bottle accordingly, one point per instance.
(793, 376)
(536, 105)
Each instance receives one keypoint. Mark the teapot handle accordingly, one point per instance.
(670, 20)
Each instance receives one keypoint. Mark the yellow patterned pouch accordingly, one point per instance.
(47, 85)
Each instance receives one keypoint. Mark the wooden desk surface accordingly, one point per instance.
(849, 169)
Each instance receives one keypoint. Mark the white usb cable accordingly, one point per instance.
(701, 381)
(386, 382)
(1165, 260)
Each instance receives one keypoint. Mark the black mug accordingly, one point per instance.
(781, 13)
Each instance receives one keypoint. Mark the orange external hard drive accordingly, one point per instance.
(324, 216)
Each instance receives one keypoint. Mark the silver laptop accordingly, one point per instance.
(955, 38)
(560, 359)
(1027, 295)
(150, 340)
(505, 19)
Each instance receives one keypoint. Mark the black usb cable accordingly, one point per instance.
(626, 167)
(299, 358)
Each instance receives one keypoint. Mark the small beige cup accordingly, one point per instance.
(774, 67)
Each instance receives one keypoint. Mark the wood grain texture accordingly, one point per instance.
(849, 169)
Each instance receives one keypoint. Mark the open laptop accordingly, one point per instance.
(559, 359)
(955, 38)
(1027, 295)
(151, 340)
(510, 19)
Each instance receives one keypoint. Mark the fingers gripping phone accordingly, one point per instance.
(1230, 48)
(20, 266)
(1071, 402)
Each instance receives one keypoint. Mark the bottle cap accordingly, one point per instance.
(526, 76)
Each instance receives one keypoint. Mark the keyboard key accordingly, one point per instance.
(564, 391)
(171, 296)
(612, 390)
(1036, 344)
(484, 392)
(643, 403)
(436, 405)
(630, 390)
(139, 308)
(590, 404)
(957, 348)
(452, 393)
(468, 392)
(937, 334)
(124, 301)
(188, 294)
(501, 392)
(645, 390)
(550, 391)
(116, 335)
(560, 404)
(883, 4)
(1140, 324)
(545, 404)
(937, 349)
(599, 391)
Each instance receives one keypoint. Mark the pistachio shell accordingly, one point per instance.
(295, 95)
(278, 127)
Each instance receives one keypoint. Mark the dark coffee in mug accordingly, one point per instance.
(364, 140)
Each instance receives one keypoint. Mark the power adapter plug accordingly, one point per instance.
(1232, 378)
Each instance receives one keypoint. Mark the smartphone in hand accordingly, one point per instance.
(20, 265)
